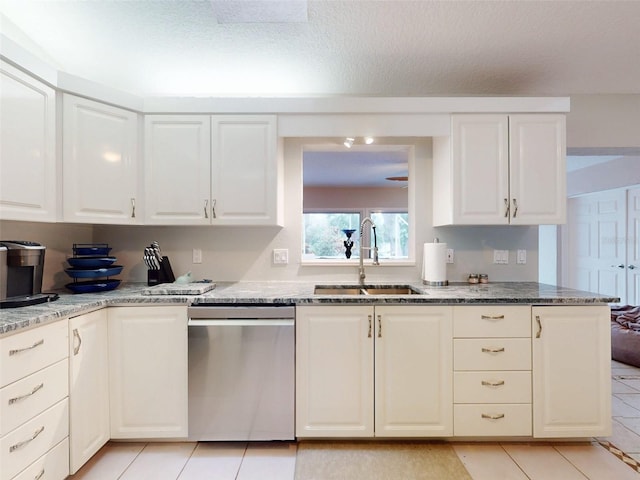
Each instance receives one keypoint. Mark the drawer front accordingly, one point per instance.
(492, 387)
(25, 353)
(492, 354)
(21, 447)
(53, 465)
(492, 420)
(26, 398)
(491, 321)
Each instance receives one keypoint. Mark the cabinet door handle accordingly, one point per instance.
(206, 208)
(492, 349)
(539, 332)
(76, 335)
(370, 319)
(379, 326)
(492, 317)
(24, 349)
(133, 208)
(631, 267)
(26, 395)
(492, 383)
(213, 208)
(506, 207)
(515, 208)
(40, 475)
(493, 416)
(21, 444)
(619, 266)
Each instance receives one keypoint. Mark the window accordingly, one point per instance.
(324, 237)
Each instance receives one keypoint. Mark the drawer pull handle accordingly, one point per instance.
(21, 444)
(40, 475)
(493, 416)
(492, 349)
(18, 350)
(492, 317)
(26, 395)
(492, 383)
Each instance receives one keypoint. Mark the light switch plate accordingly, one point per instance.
(197, 255)
(280, 256)
(449, 255)
(521, 257)
(501, 257)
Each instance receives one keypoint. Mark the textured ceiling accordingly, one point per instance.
(377, 48)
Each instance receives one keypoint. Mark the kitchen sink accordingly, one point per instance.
(366, 290)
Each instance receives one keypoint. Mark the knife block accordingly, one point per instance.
(163, 275)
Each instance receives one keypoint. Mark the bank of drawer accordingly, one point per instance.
(492, 354)
(491, 321)
(492, 387)
(26, 398)
(53, 465)
(25, 353)
(22, 446)
(492, 420)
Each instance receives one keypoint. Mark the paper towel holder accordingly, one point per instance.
(433, 283)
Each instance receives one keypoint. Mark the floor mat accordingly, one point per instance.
(378, 461)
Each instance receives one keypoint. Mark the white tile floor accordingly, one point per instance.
(484, 461)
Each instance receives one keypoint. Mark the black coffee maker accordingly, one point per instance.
(21, 267)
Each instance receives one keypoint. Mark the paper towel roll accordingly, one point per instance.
(434, 264)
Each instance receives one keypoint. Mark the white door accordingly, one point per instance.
(633, 246)
(596, 246)
(571, 371)
(177, 162)
(537, 169)
(480, 157)
(100, 162)
(148, 371)
(244, 174)
(334, 371)
(27, 147)
(88, 386)
(413, 371)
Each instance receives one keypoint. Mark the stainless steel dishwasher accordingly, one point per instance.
(241, 372)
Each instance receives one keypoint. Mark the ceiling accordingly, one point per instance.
(355, 47)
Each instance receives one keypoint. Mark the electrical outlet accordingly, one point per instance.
(449, 255)
(521, 258)
(280, 256)
(501, 257)
(197, 255)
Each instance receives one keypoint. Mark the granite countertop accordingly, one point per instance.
(528, 293)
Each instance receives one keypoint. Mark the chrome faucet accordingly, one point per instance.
(363, 248)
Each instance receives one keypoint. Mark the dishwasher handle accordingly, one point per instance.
(241, 322)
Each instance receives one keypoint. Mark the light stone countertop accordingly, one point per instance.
(300, 293)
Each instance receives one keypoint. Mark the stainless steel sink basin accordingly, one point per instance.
(366, 290)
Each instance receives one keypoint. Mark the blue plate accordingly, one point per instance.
(93, 272)
(93, 286)
(95, 249)
(90, 262)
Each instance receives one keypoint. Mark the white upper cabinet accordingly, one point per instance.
(177, 168)
(27, 147)
(100, 163)
(218, 170)
(501, 169)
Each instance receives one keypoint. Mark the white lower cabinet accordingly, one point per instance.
(88, 386)
(571, 371)
(492, 370)
(148, 372)
(364, 371)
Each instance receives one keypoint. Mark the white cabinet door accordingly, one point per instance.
(88, 386)
(633, 246)
(571, 371)
(500, 169)
(100, 162)
(244, 176)
(27, 147)
(148, 371)
(177, 165)
(537, 154)
(413, 371)
(334, 371)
